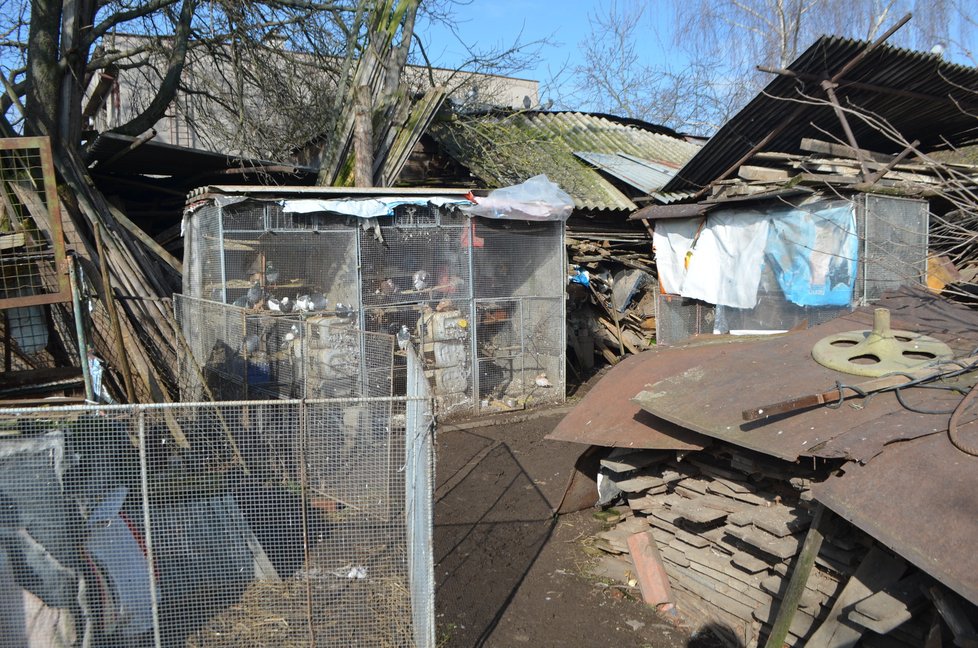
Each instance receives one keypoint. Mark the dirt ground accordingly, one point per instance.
(507, 572)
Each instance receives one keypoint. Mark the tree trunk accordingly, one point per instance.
(44, 76)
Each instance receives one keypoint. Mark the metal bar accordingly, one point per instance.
(872, 46)
(473, 317)
(136, 143)
(148, 524)
(799, 577)
(80, 330)
(304, 513)
(829, 89)
(872, 179)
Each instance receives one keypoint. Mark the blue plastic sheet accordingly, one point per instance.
(813, 252)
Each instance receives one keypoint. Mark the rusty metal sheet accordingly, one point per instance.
(607, 417)
(708, 395)
(919, 499)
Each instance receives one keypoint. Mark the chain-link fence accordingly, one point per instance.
(259, 523)
(483, 299)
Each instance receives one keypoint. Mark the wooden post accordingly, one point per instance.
(799, 577)
(363, 137)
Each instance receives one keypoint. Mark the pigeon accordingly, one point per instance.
(403, 337)
(241, 302)
(542, 381)
(344, 310)
(303, 303)
(286, 305)
(271, 273)
(387, 287)
(293, 333)
(251, 343)
(318, 301)
(420, 280)
(255, 294)
(274, 304)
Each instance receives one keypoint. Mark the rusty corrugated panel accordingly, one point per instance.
(919, 499)
(607, 417)
(708, 395)
(893, 72)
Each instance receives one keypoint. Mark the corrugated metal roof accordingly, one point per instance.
(506, 150)
(644, 175)
(919, 94)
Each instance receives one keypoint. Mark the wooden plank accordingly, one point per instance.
(747, 562)
(877, 570)
(640, 483)
(622, 460)
(749, 172)
(693, 511)
(778, 547)
(891, 607)
(781, 520)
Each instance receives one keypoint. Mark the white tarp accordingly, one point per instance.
(812, 250)
(724, 261)
(365, 207)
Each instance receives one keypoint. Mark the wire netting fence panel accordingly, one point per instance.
(894, 232)
(273, 523)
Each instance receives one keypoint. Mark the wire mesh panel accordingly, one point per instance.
(431, 273)
(677, 318)
(240, 353)
(33, 268)
(217, 525)
(894, 232)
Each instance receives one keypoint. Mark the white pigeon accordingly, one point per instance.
(420, 279)
(303, 303)
(542, 381)
(292, 334)
(274, 304)
(403, 337)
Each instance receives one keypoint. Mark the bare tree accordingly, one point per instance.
(709, 67)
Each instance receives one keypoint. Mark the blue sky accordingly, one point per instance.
(495, 24)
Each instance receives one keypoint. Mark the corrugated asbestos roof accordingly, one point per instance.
(919, 94)
(644, 175)
(506, 150)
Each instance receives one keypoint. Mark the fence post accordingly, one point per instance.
(418, 501)
(147, 523)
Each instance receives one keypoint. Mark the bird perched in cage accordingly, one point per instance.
(251, 343)
(344, 310)
(403, 337)
(254, 295)
(293, 333)
(311, 302)
(542, 381)
(271, 273)
(387, 287)
(420, 280)
(241, 302)
(283, 305)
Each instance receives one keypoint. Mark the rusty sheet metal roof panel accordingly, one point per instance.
(606, 416)
(708, 397)
(879, 84)
(644, 175)
(920, 499)
(506, 150)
